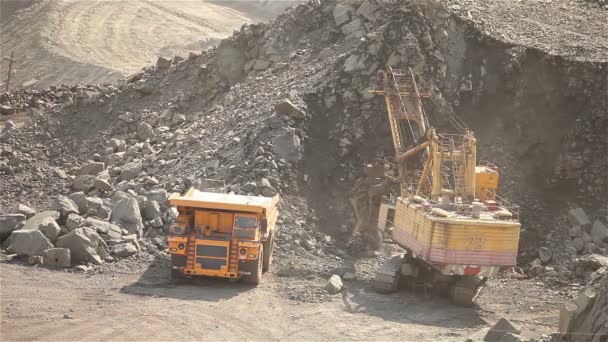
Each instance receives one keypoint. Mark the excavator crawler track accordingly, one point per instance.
(386, 279)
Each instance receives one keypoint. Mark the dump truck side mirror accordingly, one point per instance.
(264, 226)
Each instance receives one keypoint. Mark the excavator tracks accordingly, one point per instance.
(386, 279)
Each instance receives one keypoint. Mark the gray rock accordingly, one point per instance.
(49, 228)
(342, 14)
(131, 170)
(354, 29)
(575, 231)
(578, 217)
(124, 250)
(106, 228)
(29, 242)
(334, 284)
(57, 257)
(510, 337)
(261, 64)
(170, 215)
(579, 244)
(85, 245)
(599, 233)
(163, 63)
(207, 184)
(157, 222)
(81, 201)
(499, 330)
(34, 222)
(74, 221)
(349, 275)
(9, 223)
(94, 203)
(144, 131)
(35, 260)
(126, 214)
(103, 185)
(287, 146)
(24, 210)
(152, 210)
(368, 10)
(64, 206)
(91, 168)
(83, 183)
(249, 186)
(158, 195)
(545, 255)
(287, 108)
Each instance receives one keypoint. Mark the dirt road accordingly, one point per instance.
(96, 41)
(38, 303)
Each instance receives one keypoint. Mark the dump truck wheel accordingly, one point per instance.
(465, 289)
(256, 277)
(176, 274)
(386, 279)
(268, 250)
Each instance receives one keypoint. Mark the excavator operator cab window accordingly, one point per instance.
(177, 229)
(245, 222)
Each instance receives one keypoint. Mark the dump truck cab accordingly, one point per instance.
(222, 235)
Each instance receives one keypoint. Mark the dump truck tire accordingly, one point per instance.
(256, 277)
(268, 250)
(176, 274)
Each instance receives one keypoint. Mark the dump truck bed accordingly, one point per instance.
(209, 200)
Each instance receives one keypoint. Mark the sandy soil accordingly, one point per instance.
(97, 41)
(38, 303)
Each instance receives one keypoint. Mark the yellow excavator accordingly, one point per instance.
(448, 217)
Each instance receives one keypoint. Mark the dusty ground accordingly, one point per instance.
(133, 304)
(96, 41)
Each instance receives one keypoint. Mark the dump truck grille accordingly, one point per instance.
(211, 264)
(211, 251)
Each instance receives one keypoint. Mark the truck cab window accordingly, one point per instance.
(245, 222)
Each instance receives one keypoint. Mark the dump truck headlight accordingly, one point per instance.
(243, 251)
(181, 246)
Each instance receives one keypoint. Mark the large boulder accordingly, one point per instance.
(334, 284)
(500, 329)
(83, 183)
(123, 250)
(126, 214)
(74, 221)
(57, 257)
(342, 14)
(152, 210)
(24, 210)
(85, 245)
(81, 201)
(578, 217)
(144, 131)
(92, 168)
(29, 242)
(287, 146)
(8, 223)
(104, 228)
(289, 109)
(599, 233)
(163, 63)
(35, 221)
(131, 170)
(50, 228)
(64, 206)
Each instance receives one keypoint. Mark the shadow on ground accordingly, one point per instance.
(156, 281)
(410, 307)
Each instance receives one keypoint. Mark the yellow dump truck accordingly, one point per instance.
(222, 235)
